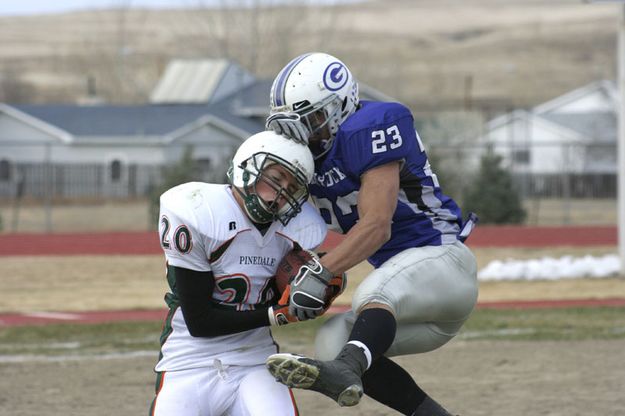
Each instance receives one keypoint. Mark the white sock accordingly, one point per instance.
(364, 349)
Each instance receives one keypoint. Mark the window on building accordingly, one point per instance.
(5, 170)
(521, 156)
(116, 171)
(204, 167)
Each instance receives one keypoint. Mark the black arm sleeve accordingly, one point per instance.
(194, 290)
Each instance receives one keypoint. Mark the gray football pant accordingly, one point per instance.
(431, 291)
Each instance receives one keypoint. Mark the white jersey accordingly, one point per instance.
(202, 228)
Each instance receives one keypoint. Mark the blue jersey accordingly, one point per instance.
(376, 134)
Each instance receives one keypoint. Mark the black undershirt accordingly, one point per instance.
(203, 317)
(262, 227)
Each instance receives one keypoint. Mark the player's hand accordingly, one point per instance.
(290, 125)
(309, 290)
(279, 313)
(336, 286)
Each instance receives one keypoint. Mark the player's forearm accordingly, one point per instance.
(364, 239)
(377, 201)
(216, 322)
(205, 318)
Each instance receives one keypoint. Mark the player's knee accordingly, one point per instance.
(419, 339)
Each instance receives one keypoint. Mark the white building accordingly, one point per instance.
(572, 138)
(120, 151)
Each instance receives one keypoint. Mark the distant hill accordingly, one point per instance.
(432, 55)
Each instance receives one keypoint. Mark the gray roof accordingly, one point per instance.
(251, 101)
(189, 81)
(112, 120)
(139, 120)
(245, 110)
(601, 127)
(199, 81)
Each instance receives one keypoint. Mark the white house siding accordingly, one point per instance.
(551, 149)
(19, 141)
(211, 143)
(47, 161)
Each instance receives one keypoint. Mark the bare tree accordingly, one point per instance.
(13, 89)
(259, 34)
(110, 56)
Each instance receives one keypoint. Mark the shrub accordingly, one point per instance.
(185, 170)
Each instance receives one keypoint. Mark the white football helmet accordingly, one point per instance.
(321, 90)
(246, 170)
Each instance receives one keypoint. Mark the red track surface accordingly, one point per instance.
(133, 243)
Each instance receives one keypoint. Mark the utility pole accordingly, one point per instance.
(621, 139)
(620, 142)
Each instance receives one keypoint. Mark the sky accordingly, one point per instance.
(33, 7)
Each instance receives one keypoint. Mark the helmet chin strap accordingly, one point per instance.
(255, 210)
(253, 207)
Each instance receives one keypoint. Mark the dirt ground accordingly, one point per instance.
(475, 378)
(472, 378)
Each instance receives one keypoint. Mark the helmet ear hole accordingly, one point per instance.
(230, 172)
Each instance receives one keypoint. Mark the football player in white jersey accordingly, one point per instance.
(373, 183)
(222, 244)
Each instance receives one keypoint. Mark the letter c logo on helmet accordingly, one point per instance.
(321, 89)
(335, 76)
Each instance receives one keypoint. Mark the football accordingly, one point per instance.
(289, 265)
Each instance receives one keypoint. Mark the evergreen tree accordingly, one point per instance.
(492, 195)
(185, 170)
(449, 178)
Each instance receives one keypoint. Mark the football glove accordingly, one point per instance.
(290, 125)
(336, 286)
(309, 290)
(279, 313)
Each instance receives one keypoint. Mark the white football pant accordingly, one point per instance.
(223, 390)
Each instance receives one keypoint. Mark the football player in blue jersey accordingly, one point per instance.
(373, 183)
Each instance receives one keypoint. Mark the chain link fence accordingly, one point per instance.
(571, 175)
